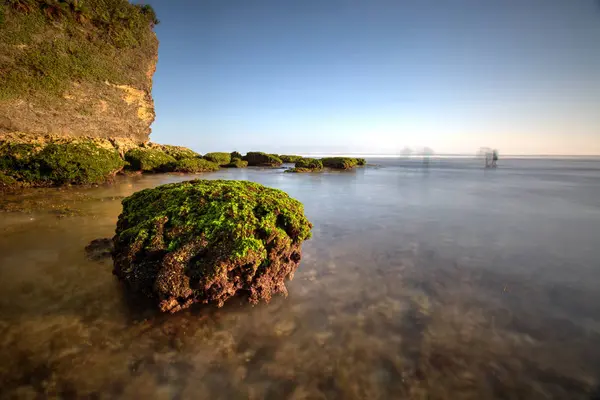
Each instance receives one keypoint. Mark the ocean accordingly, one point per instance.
(424, 279)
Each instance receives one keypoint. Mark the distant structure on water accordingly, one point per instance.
(490, 156)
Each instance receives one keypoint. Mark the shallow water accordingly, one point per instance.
(422, 281)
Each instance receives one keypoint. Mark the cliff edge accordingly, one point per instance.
(73, 68)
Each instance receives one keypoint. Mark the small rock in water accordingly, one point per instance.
(99, 249)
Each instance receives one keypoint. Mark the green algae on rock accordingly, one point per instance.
(76, 162)
(260, 159)
(237, 163)
(219, 158)
(7, 181)
(178, 152)
(204, 241)
(339, 162)
(290, 159)
(307, 165)
(148, 159)
(192, 165)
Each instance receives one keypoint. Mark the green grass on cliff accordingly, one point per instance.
(47, 45)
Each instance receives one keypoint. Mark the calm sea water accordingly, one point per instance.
(438, 280)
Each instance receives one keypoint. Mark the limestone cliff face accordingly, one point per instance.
(77, 71)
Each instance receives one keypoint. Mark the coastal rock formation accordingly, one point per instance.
(204, 241)
(192, 165)
(290, 159)
(342, 162)
(148, 159)
(49, 160)
(307, 165)
(260, 159)
(237, 163)
(221, 159)
(58, 162)
(77, 69)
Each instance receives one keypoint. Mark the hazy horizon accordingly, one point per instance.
(375, 77)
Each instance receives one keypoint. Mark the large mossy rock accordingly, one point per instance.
(237, 163)
(339, 162)
(148, 159)
(218, 158)
(178, 152)
(51, 164)
(192, 165)
(290, 159)
(260, 159)
(307, 165)
(205, 241)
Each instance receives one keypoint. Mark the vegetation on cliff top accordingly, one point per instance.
(204, 241)
(47, 45)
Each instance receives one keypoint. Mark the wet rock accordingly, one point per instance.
(237, 163)
(57, 163)
(205, 241)
(307, 165)
(260, 159)
(192, 165)
(290, 159)
(341, 162)
(218, 158)
(99, 249)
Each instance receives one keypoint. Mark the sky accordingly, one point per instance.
(376, 76)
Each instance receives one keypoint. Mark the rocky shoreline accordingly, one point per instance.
(42, 161)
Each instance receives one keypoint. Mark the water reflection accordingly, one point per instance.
(412, 287)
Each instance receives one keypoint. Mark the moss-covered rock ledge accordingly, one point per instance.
(204, 241)
(307, 165)
(52, 161)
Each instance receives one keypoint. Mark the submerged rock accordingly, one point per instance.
(99, 249)
(207, 240)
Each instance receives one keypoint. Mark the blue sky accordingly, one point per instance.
(374, 76)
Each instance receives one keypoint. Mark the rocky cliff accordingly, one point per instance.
(74, 68)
